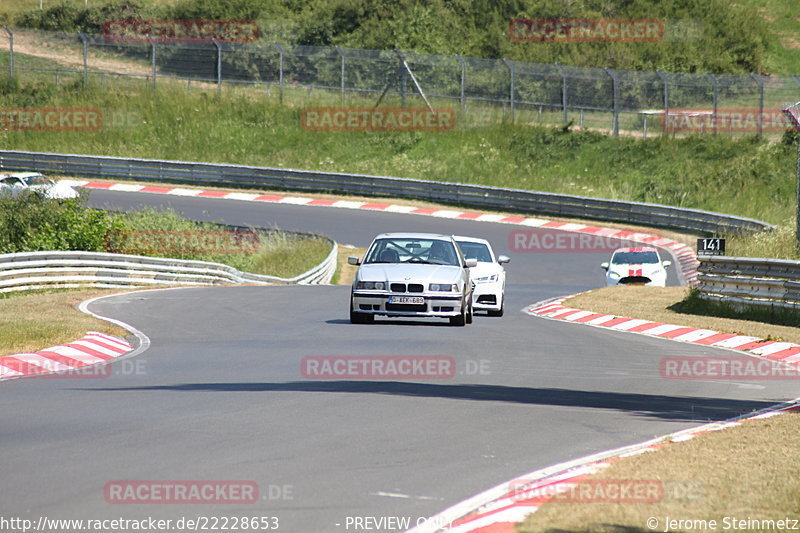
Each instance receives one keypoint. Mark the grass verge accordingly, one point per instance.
(247, 126)
(664, 304)
(741, 473)
(33, 321)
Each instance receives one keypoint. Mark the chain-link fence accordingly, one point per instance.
(484, 90)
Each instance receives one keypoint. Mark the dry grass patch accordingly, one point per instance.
(345, 273)
(653, 303)
(747, 471)
(31, 322)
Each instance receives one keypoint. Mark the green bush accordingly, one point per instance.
(31, 223)
(722, 37)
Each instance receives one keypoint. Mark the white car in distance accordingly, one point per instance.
(17, 182)
(636, 266)
(488, 275)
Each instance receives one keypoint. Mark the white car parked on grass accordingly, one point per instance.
(412, 275)
(636, 266)
(489, 275)
(17, 182)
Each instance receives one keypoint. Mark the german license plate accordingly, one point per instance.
(414, 300)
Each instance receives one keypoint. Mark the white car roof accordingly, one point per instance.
(25, 174)
(472, 239)
(414, 236)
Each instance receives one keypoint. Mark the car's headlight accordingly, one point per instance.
(371, 285)
(487, 279)
(446, 287)
(613, 275)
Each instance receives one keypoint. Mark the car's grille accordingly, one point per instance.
(407, 307)
(415, 287)
(398, 287)
(634, 279)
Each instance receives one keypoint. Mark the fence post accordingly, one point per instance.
(280, 72)
(563, 90)
(153, 47)
(341, 54)
(665, 79)
(616, 100)
(512, 73)
(85, 42)
(463, 82)
(10, 50)
(219, 65)
(715, 88)
(760, 83)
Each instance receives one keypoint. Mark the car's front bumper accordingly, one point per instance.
(487, 296)
(655, 282)
(434, 305)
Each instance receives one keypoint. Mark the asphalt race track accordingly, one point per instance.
(220, 395)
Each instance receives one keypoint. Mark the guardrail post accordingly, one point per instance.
(280, 71)
(760, 83)
(715, 87)
(665, 80)
(10, 50)
(615, 94)
(511, 86)
(153, 47)
(563, 90)
(341, 54)
(463, 82)
(85, 42)
(219, 65)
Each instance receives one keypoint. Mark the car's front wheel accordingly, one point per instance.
(498, 312)
(461, 319)
(360, 318)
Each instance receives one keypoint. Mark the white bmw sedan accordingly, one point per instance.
(489, 275)
(636, 266)
(412, 275)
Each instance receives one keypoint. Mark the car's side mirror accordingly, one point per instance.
(352, 260)
(503, 259)
(471, 262)
(604, 266)
(666, 263)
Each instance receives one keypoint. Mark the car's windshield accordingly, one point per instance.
(476, 250)
(634, 258)
(411, 250)
(38, 180)
(11, 182)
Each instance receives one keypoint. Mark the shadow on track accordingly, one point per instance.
(699, 409)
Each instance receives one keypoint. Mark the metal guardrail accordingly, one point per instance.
(476, 196)
(36, 270)
(747, 281)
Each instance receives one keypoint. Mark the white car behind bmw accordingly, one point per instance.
(489, 275)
